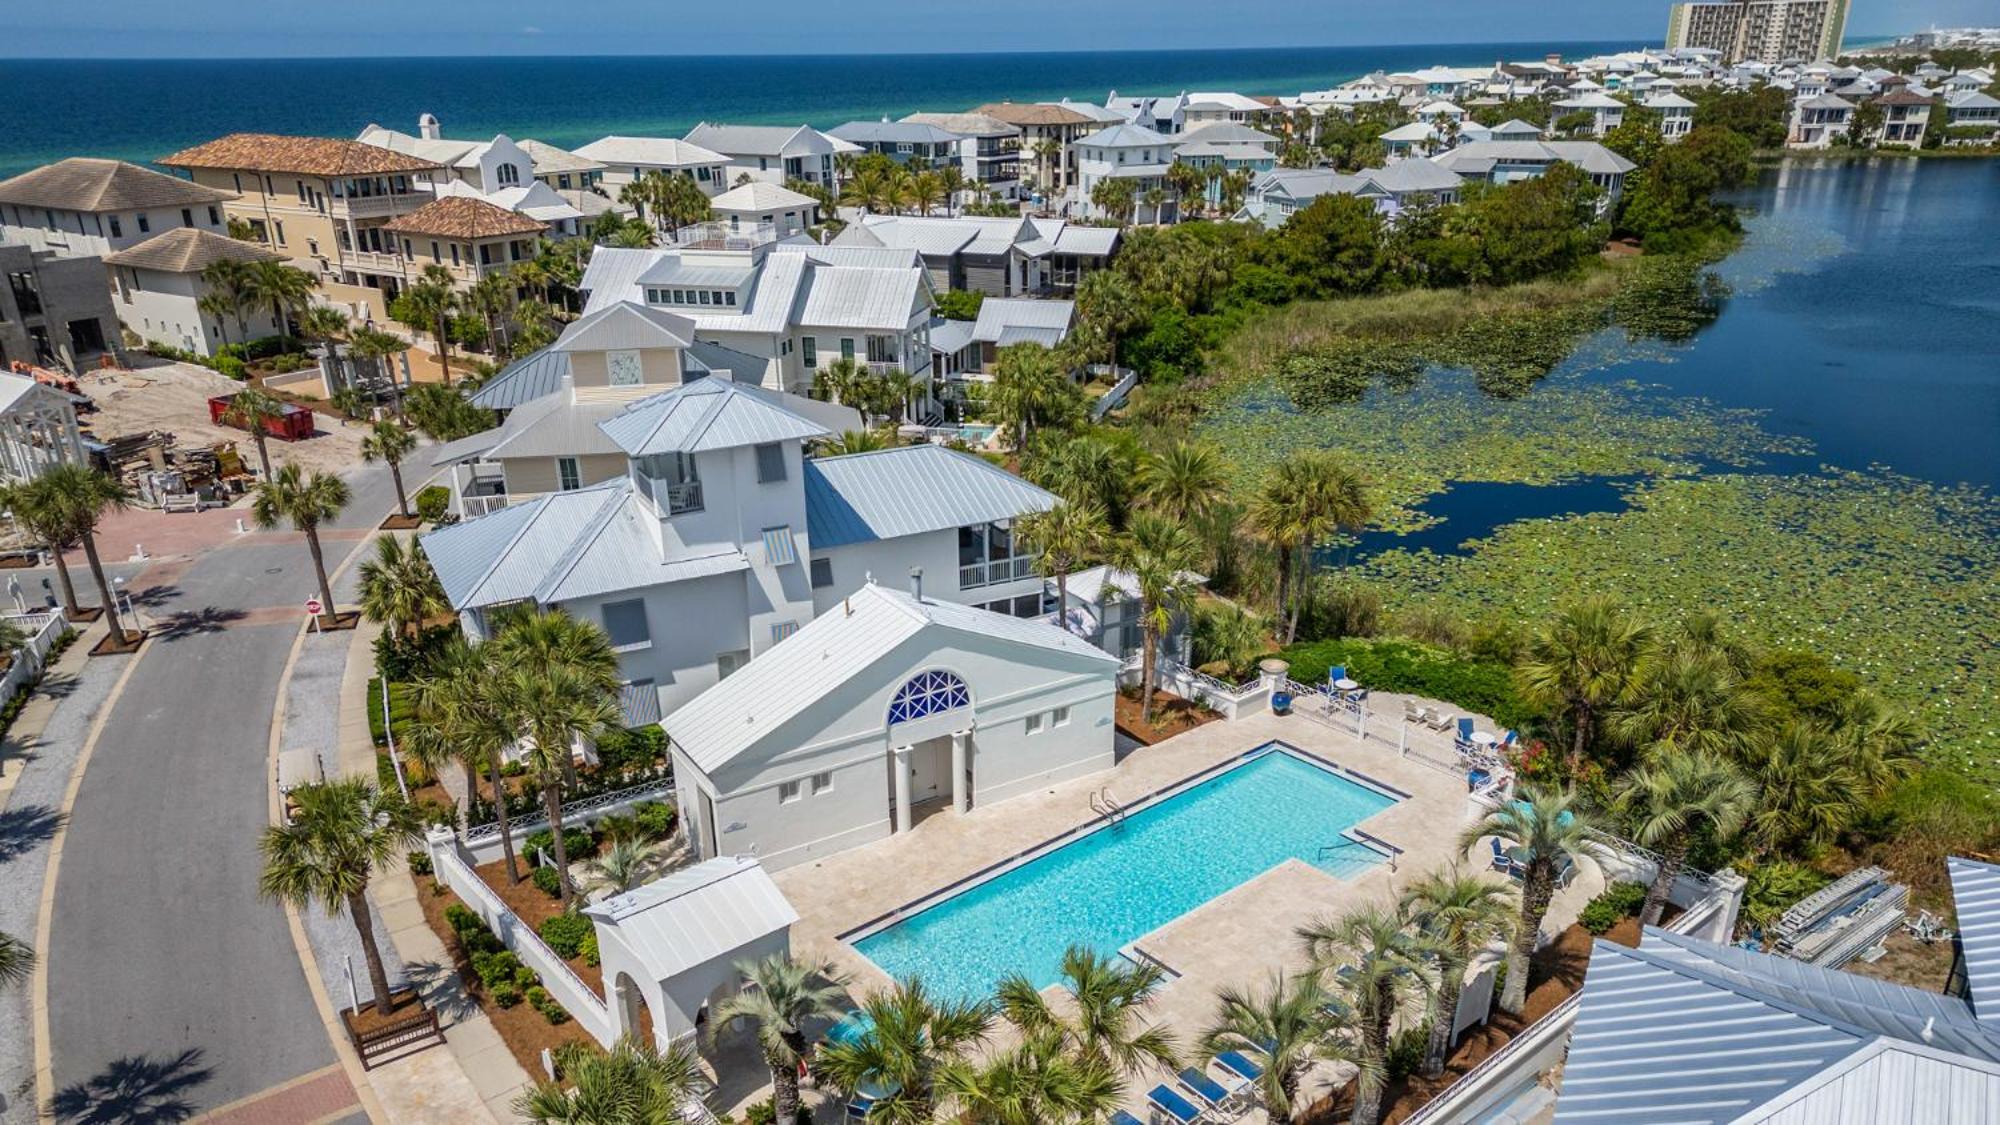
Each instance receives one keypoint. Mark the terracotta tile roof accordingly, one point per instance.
(1032, 113)
(84, 183)
(189, 250)
(311, 156)
(1897, 97)
(463, 217)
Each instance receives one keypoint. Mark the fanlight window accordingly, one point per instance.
(928, 693)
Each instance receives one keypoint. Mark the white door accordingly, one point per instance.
(930, 770)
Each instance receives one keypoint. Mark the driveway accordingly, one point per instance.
(173, 987)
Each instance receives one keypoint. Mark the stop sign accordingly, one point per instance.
(313, 607)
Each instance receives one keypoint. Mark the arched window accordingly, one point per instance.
(508, 174)
(928, 693)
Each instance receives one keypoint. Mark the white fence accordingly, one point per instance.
(482, 841)
(42, 630)
(450, 865)
(1109, 400)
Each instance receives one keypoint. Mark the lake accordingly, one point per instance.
(1865, 318)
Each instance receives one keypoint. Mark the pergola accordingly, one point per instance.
(37, 428)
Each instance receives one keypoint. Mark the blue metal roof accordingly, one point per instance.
(1975, 889)
(907, 491)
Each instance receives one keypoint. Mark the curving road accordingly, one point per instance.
(173, 988)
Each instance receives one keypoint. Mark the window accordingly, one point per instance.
(27, 295)
(704, 296)
(881, 349)
(624, 369)
(454, 253)
(435, 256)
(729, 297)
(116, 230)
(770, 463)
(281, 232)
(928, 693)
(214, 217)
(1035, 723)
(788, 791)
(145, 224)
(508, 174)
(989, 554)
(782, 629)
(625, 624)
(238, 177)
(1059, 717)
(779, 549)
(728, 663)
(822, 573)
(821, 782)
(809, 348)
(847, 347)
(568, 477)
(187, 217)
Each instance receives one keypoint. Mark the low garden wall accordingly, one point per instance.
(482, 842)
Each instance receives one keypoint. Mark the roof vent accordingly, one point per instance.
(1927, 1033)
(917, 583)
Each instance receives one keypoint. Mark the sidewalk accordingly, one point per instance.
(475, 1078)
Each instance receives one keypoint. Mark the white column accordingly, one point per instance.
(902, 760)
(961, 797)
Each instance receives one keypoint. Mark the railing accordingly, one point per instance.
(371, 1045)
(1536, 1035)
(1110, 399)
(372, 260)
(581, 807)
(475, 506)
(723, 236)
(673, 497)
(42, 629)
(994, 573)
(370, 206)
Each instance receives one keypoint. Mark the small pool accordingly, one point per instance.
(1120, 882)
(977, 435)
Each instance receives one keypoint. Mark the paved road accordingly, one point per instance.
(172, 985)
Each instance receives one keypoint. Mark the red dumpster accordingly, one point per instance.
(295, 424)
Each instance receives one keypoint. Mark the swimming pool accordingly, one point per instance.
(1122, 881)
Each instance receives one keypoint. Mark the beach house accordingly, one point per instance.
(86, 208)
(158, 289)
(1047, 134)
(772, 153)
(990, 154)
(625, 159)
(997, 256)
(917, 145)
(1132, 153)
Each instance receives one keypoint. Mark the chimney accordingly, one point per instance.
(427, 127)
(917, 582)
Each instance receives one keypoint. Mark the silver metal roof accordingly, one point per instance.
(999, 314)
(949, 336)
(658, 152)
(704, 415)
(860, 297)
(759, 140)
(933, 239)
(895, 132)
(706, 912)
(672, 269)
(909, 490)
(1587, 155)
(1975, 888)
(1890, 1083)
(1125, 135)
(626, 324)
(1092, 242)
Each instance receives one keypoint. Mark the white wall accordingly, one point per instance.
(163, 307)
(84, 235)
(890, 560)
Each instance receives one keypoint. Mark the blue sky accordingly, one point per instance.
(153, 28)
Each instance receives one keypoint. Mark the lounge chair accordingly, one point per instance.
(1222, 1098)
(1165, 1100)
(1122, 1118)
(1239, 1064)
(857, 1109)
(1411, 712)
(1439, 721)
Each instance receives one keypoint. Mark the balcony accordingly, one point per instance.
(672, 497)
(723, 236)
(377, 206)
(372, 260)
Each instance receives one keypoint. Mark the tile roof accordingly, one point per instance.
(665, 152)
(908, 490)
(704, 415)
(83, 183)
(189, 250)
(311, 156)
(834, 648)
(1032, 113)
(464, 217)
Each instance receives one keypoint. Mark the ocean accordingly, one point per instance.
(141, 109)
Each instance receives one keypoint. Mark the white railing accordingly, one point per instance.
(722, 236)
(472, 507)
(579, 999)
(485, 838)
(42, 629)
(1110, 399)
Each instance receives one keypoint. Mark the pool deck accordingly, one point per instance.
(1237, 938)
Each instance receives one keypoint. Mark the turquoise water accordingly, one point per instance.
(1124, 881)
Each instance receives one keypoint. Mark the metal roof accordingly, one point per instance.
(535, 375)
(949, 336)
(886, 131)
(860, 297)
(1476, 157)
(703, 913)
(907, 491)
(758, 195)
(790, 286)
(627, 324)
(1890, 1082)
(832, 649)
(1094, 242)
(759, 140)
(661, 152)
(998, 314)
(1125, 135)
(1228, 132)
(704, 415)
(966, 124)
(935, 238)
(1975, 888)
(676, 270)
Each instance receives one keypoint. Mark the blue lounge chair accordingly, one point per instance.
(1239, 1064)
(1206, 1088)
(1164, 1099)
(857, 1110)
(1123, 1118)
(1509, 740)
(1501, 862)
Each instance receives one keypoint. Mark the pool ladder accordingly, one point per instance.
(1106, 806)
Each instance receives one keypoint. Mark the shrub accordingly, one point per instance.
(1484, 686)
(565, 934)
(512, 769)
(766, 1113)
(1340, 609)
(547, 881)
(1618, 902)
(1406, 1051)
(505, 995)
(542, 1002)
(432, 502)
(577, 842)
(657, 819)
(621, 750)
(589, 951)
(400, 706)
(1770, 889)
(420, 863)
(231, 366)
(959, 304)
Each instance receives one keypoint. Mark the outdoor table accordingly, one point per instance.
(1483, 739)
(1345, 684)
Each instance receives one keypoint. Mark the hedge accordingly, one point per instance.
(1618, 902)
(565, 934)
(1408, 668)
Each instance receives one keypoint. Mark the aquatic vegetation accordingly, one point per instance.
(1892, 578)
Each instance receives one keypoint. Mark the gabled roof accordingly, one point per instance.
(845, 641)
(1515, 127)
(759, 195)
(1226, 132)
(1591, 100)
(886, 131)
(1668, 100)
(626, 325)
(696, 915)
(83, 183)
(310, 156)
(998, 316)
(909, 490)
(535, 375)
(1124, 136)
(966, 124)
(1975, 889)
(189, 250)
(549, 426)
(860, 297)
(549, 158)
(1412, 132)
(703, 415)
(756, 140)
(464, 217)
(667, 152)
(1480, 156)
(1032, 113)
(1826, 101)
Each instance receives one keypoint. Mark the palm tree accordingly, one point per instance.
(230, 291)
(553, 706)
(1380, 960)
(1063, 538)
(1547, 829)
(1105, 999)
(306, 502)
(43, 515)
(70, 499)
(1682, 698)
(952, 180)
(634, 1084)
(1293, 1021)
(1581, 662)
(17, 959)
(1669, 798)
(389, 443)
(1159, 553)
(253, 408)
(1460, 913)
(1184, 481)
(461, 713)
(912, 1037)
(375, 344)
(426, 306)
(855, 441)
(1046, 152)
(323, 323)
(492, 298)
(286, 288)
(779, 998)
(1028, 390)
(1035, 1082)
(399, 589)
(550, 638)
(626, 864)
(1087, 470)
(1811, 788)
(1309, 496)
(342, 833)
